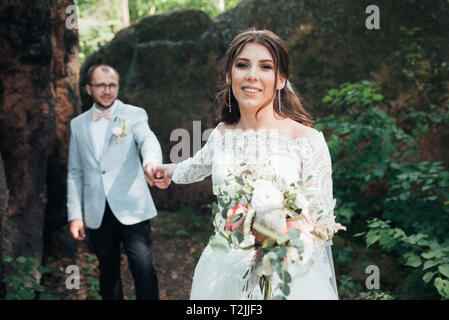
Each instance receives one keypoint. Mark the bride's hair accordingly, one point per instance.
(291, 106)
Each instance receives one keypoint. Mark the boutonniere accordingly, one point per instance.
(120, 130)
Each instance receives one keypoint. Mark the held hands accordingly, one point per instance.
(158, 175)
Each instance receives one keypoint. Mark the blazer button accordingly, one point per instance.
(103, 172)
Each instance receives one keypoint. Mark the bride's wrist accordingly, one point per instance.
(171, 169)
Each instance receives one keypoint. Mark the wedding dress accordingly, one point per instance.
(220, 275)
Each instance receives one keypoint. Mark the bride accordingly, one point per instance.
(262, 120)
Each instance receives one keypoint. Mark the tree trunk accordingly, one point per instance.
(125, 13)
(39, 95)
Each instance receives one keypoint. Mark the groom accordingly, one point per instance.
(107, 182)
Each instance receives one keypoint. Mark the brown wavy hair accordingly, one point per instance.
(291, 105)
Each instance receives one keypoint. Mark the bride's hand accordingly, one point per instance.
(162, 174)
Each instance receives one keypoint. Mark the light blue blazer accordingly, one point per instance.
(117, 175)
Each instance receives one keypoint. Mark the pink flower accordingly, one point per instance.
(236, 216)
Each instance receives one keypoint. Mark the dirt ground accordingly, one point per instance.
(176, 250)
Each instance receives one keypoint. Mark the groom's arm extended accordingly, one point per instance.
(74, 180)
(146, 141)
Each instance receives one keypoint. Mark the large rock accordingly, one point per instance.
(167, 65)
(170, 64)
(39, 95)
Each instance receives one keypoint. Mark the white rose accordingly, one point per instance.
(266, 196)
(275, 220)
(266, 268)
(308, 247)
(117, 131)
(292, 254)
(302, 202)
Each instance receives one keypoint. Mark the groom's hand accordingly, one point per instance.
(163, 178)
(150, 174)
(77, 229)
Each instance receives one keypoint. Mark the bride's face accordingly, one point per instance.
(253, 77)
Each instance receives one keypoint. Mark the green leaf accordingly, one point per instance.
(268, 243)
(7, 258)
(371, 238)
(236, 218)
(413, 260)
(282, 253)
(428, 276)
(444, 269)
(237, 237)
(21, 259)
(442, 287)
(219, 243)
(438, 253)
(240, 180)
(285, 288)
(286, 277)
(429, 264)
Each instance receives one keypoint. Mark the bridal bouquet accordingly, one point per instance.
(258, 209)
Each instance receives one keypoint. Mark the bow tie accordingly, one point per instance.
(97, 115)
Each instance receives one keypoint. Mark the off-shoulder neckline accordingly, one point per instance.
(267, 132)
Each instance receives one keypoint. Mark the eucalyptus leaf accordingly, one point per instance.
(236, 218)
(220, 244)
(237, 237)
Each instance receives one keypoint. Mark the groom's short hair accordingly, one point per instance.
(103, 67)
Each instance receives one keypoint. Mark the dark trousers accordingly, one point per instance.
(136, 241)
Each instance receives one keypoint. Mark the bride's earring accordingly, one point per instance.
(279, 101)
(229, 100)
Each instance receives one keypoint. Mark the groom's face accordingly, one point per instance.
(103, 88)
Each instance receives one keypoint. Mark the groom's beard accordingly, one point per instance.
(102, 105)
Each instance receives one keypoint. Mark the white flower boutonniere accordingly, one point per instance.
(120, 130)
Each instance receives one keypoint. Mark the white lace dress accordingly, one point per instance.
(220, 276)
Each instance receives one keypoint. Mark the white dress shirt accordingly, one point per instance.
(99, 128)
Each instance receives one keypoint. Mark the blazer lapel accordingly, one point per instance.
(112, 123)
(87, 129)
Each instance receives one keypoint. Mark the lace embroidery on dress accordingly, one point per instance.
(198, 167)
(292, 159)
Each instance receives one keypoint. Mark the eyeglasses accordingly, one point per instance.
(103, 86)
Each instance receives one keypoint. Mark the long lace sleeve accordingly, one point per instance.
(319, 165)
(198, 167)
(321, 208)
